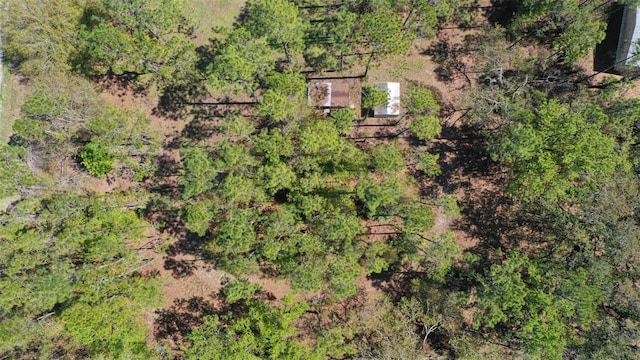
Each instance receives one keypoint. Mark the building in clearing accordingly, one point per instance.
(392, 107)
(328, 95)
(628, 50)
(319, 94)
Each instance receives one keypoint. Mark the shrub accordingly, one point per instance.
(426, 128)
(420, 100)
(97, 159)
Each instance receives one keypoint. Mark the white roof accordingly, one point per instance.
(319, 94)
(392, 108)
(628, 49)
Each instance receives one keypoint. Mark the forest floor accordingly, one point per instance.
(12, 95)
(213, 13)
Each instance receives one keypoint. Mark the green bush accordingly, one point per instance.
(426, 128)
(388, 158)
(372, 97)
(343, 119)
(97, 159)
(420, 100)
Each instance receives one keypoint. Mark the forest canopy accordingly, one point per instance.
(170, 190)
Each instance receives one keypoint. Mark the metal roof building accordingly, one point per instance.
(328, 95)
(628, 50)
(392, 108)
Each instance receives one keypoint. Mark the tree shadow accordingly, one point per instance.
(487, 216)
(207, 117)
(183, 255)
(605, 53)
(189, 244)
(462, 157)
(501, 12)
(176, 322)
(383, 132)
(161, 212)
(200, 129)
(173, 143)
(122, 83)
(171, 104)
(488, 213)
(164, 184)
(468, 169)
(180, 268)
(395, 284)
(176, 100)
(448, 56)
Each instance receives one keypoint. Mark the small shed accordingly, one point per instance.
(628, 50)
(392, 107)
(340, 97)
(319, 94)
(328, 95)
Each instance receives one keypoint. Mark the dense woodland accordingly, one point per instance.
(259, 184)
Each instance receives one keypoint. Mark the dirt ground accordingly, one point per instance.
(212, 13)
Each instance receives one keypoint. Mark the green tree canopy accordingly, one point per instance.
(388, 158)
(278, 21)
(556, 148)
(289, 197)
(381, 32)
(40, 37)
(15, 175)
(132, 37)
(97, 159)
(259, 331)
(373, 97)
(327, 44)
(542, 308)
(422, 16)
(199, 172)
(426, 127)
(120, 135)
(66, 265)
(572, 28)
(239, 61)
(343, 119)
(285, 97)
(419, 100)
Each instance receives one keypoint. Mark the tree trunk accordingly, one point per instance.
(366, 69)
(409, 15)
(286, 52)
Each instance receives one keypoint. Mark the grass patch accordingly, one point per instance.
(208, 14)
(12, 95)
